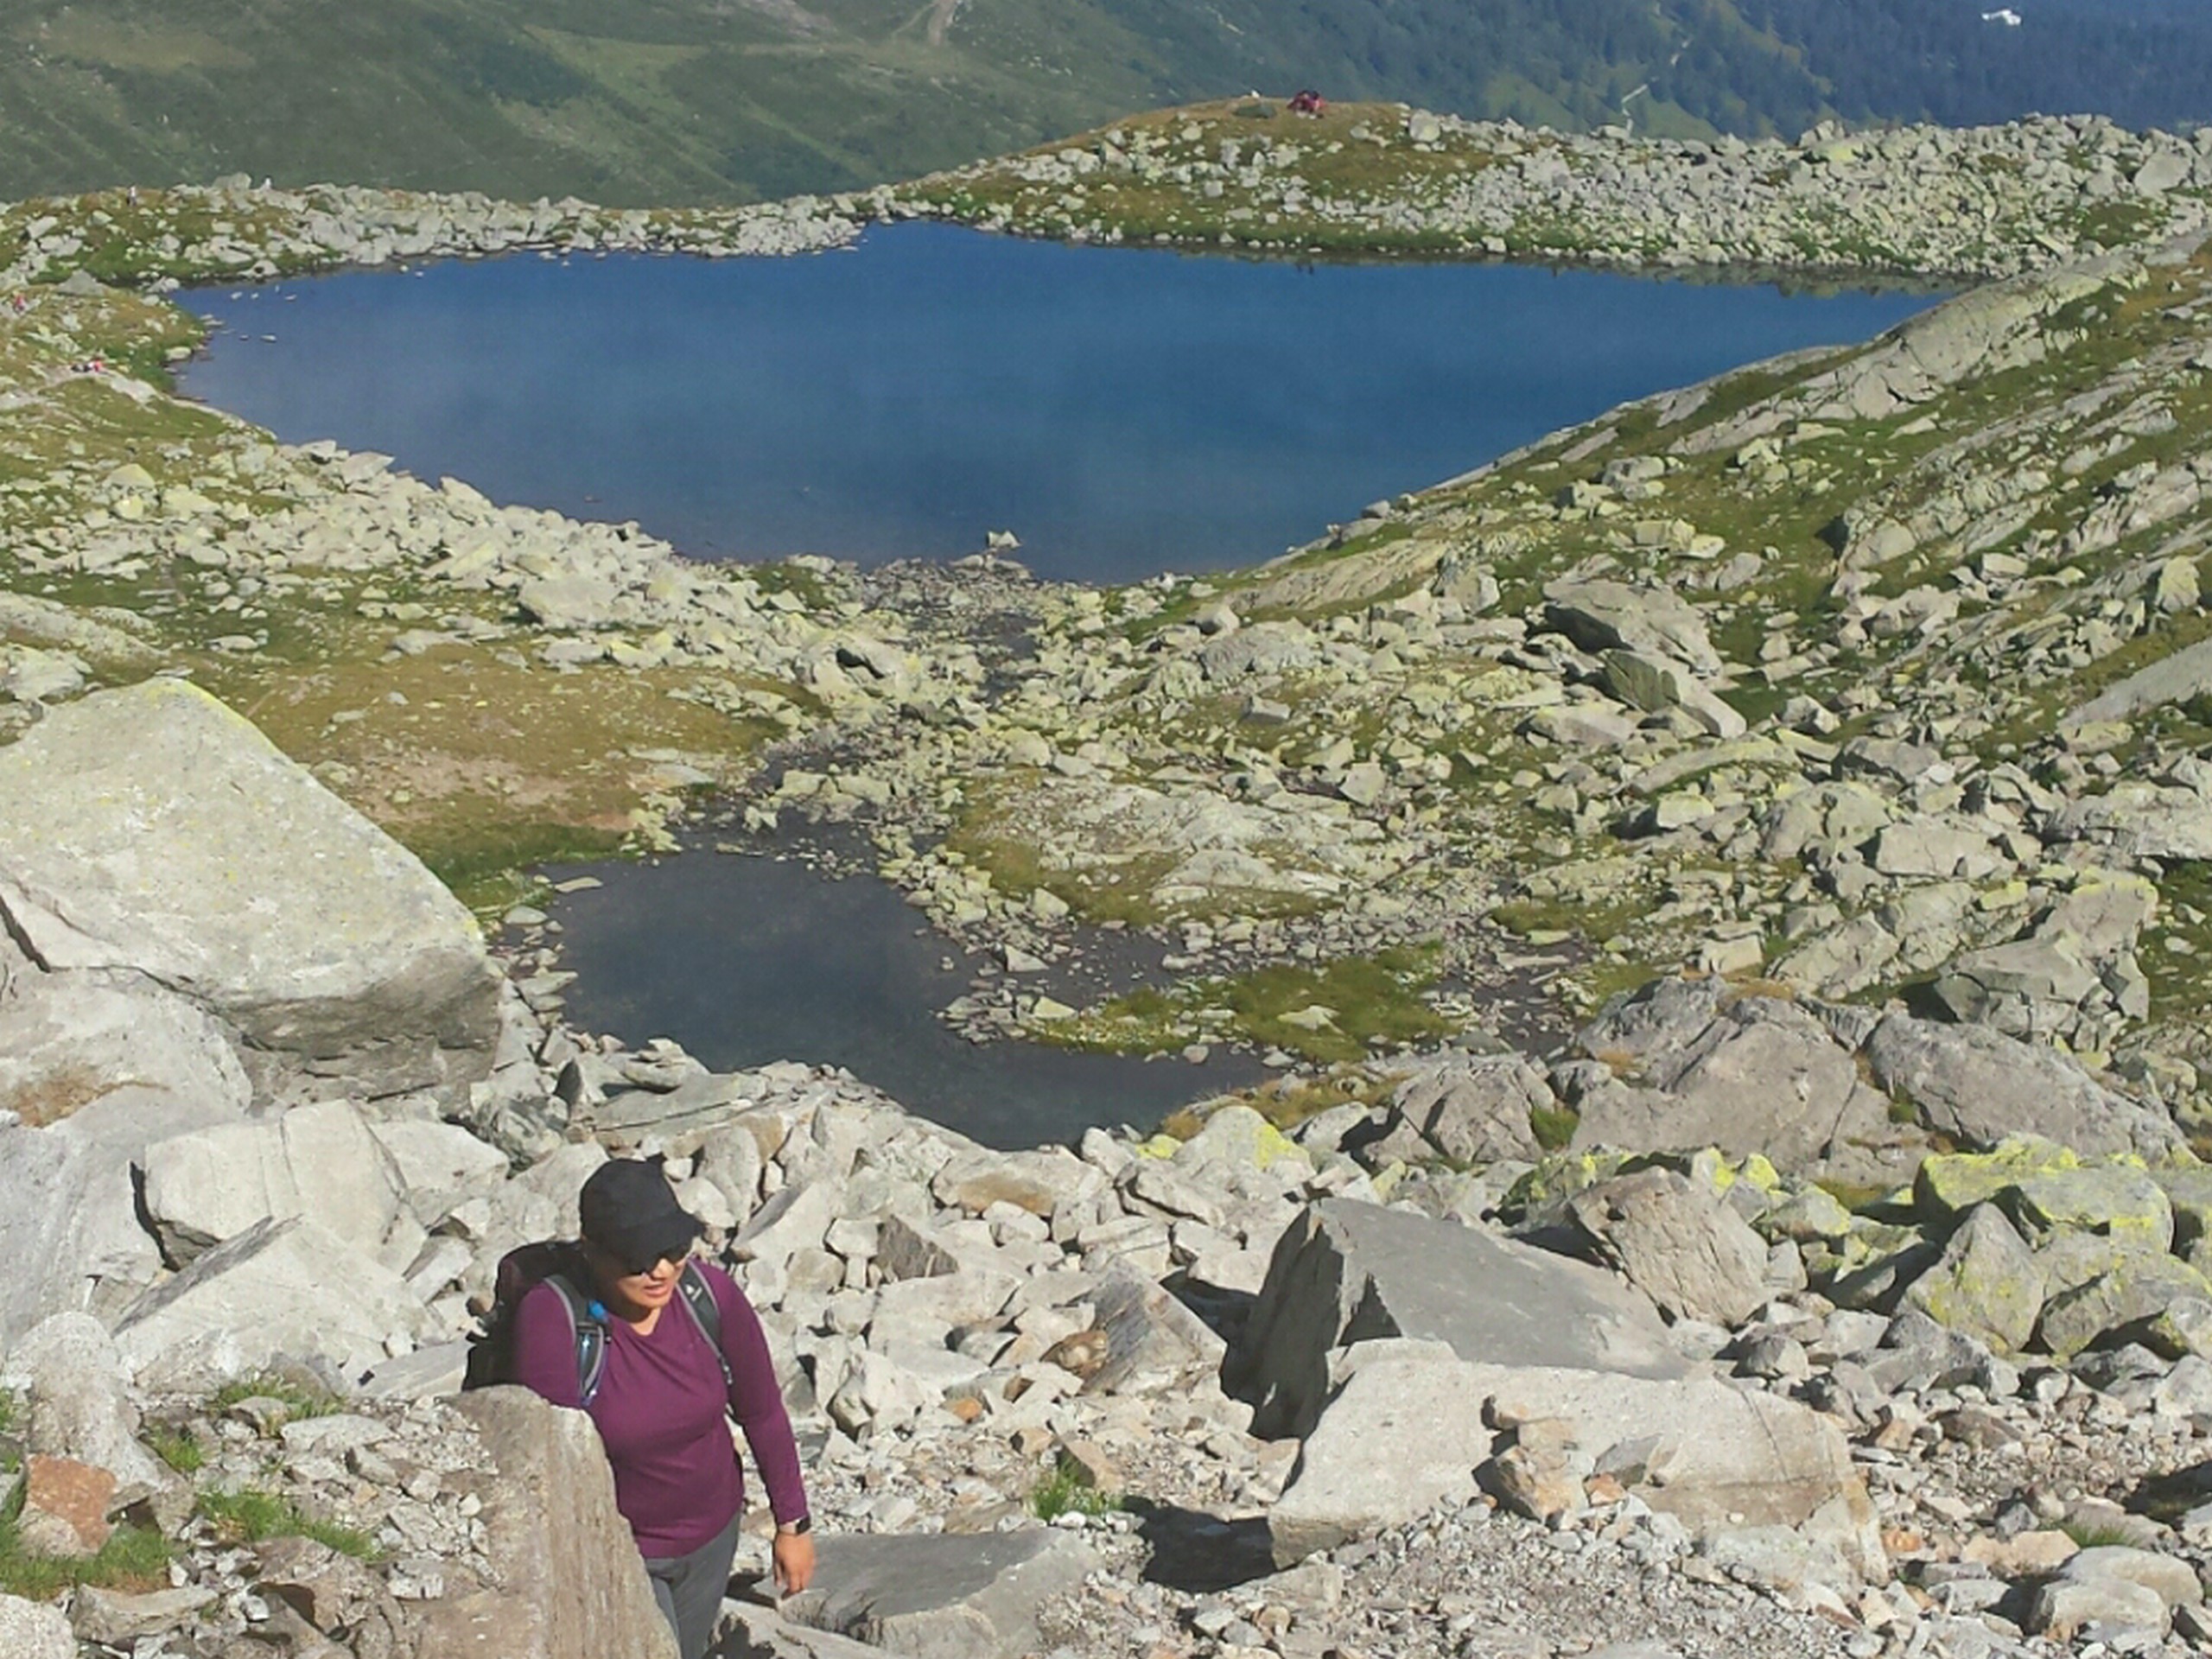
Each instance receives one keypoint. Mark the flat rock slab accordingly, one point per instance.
(1347, 1272)
(1405, 1434)
(320, 1159)
(941, 1596)
(289, 1286)
(152, 830)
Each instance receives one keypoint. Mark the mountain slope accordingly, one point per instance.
(738, 99)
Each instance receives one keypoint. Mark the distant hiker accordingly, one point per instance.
(1308, 102)
(657, 1347)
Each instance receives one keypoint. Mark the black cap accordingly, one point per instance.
(629, 1211)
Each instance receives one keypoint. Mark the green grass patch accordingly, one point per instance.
(250, 1516)
(133, 1559)
(298, 1399)
(1554, 1127)
(179, 1448)
(2098, 1535)
(486, 868)
(1064, 1491)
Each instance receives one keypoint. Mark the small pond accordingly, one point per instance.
(745, 959)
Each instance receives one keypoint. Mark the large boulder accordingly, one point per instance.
(1744, 1073)
(96, 1072)
(1976, 1086)
(1348, 1272)
(321, 1160)
(941, 1596)
(281, 1288)
(1404, 1352)
(1400, 1437)
(1606, 615)
(570, 1583)
(1466, 1109)
(65, 1040)
(1152, 1341)
(1987, 1283)
(1678, 1244)
(152, 833)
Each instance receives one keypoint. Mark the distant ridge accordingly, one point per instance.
(732, 100)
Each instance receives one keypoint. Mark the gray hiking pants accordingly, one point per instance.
(689, 1588)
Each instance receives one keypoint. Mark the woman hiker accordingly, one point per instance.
(661, 1392)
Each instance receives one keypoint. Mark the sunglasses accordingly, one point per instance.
(631, 1267)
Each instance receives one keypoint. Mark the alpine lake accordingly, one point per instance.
(1123, 411)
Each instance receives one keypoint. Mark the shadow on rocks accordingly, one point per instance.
(1199, 1554)
(1226, 1311)
(2170, 1496)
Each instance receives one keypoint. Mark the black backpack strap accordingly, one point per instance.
(590, 1335)
(707, 1313)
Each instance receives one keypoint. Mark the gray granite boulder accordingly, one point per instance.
(1401, 1437)
(1706, 1065)
(1986, 1284)
(289, 1288)
(152, 834)
(1347, 1272)
(1152, 1342)
(1411, 1426)
(1676, 1241)
(320, 1159)
(1466, 1109)
(1976, 1086)
(1606, 615)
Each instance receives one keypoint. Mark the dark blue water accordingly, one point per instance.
(749, 960)
(1122, 410)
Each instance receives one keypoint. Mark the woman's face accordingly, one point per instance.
(649, 1289)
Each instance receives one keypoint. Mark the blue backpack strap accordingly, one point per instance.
(706, 1313)
(590, 1332)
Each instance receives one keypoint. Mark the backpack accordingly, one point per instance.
(559, 1264)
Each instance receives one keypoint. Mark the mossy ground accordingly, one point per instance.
(1330, 1014)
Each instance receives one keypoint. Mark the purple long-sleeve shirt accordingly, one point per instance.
(659, 1410)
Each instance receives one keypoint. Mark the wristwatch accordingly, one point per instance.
(793, 1528)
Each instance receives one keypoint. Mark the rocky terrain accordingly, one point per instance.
(232, 229)
(1233, 1394)
(1804, 770)
(1924, 201)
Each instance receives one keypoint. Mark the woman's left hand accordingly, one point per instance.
(794, 1561)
